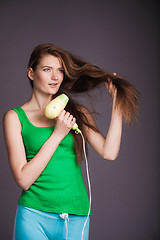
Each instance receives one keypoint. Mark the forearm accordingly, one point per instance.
(112, 142)
(32, 169)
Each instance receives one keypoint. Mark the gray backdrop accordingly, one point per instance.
(119, 36)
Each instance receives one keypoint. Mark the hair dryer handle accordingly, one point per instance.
(76, 129)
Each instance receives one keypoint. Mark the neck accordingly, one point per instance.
(39, 101)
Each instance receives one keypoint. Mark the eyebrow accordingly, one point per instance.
(52, 67)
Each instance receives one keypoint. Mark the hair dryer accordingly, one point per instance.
(53, 109)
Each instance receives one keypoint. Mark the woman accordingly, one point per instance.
(45, 155)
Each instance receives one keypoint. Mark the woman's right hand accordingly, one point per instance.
(64, 123)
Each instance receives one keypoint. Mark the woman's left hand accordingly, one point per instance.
(111, 88)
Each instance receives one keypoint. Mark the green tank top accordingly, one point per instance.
(60, 187)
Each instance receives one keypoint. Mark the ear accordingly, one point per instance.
(30, 73)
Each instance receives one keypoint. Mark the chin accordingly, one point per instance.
(53, 91)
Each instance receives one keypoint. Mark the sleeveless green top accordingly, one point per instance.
(60, 187)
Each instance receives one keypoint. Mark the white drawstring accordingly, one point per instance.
(65, 216)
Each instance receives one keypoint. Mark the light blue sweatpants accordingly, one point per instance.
(32, 224)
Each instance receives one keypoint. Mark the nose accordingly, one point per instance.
(54, 75)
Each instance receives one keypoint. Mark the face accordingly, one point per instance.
(48, 75)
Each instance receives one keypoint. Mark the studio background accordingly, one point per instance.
(118, 36)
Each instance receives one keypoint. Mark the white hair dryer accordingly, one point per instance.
(53, 109)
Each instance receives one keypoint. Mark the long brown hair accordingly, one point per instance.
(81, 76)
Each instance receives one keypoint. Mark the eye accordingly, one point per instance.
(47, 69)
(61, 70)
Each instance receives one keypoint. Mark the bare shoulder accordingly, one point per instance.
(11, 118)
(10, 115)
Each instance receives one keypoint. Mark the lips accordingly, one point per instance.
(52, 84)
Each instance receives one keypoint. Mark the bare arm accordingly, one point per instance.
(25, 173)
(108, 147)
